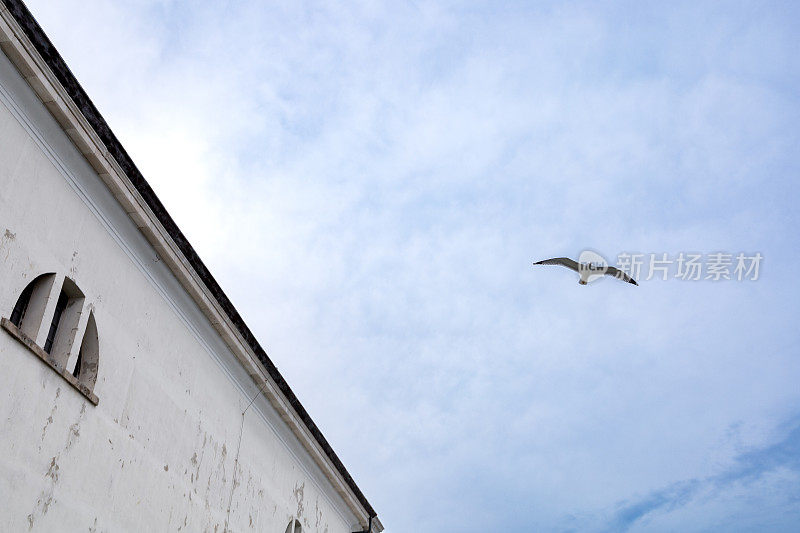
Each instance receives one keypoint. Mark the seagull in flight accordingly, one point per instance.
(588, 269)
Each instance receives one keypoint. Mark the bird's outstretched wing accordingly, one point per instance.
(562, 261)
(617, 273)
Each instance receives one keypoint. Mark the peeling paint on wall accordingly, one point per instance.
(47, 496)
(50, 418)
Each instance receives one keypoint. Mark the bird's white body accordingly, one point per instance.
(588, 271)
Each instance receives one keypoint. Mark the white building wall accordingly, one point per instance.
(158, 451)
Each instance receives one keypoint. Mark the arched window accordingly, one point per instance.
(61, 338)
(31, 304)
(22, 304)
(294, 527)
(52, 320)
(85, 370)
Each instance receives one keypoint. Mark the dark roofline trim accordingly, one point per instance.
(79, 97)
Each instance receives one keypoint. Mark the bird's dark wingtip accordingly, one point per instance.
(634, 282)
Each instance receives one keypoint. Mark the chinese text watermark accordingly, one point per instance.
(688, 266)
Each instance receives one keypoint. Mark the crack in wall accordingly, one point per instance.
(50, 418)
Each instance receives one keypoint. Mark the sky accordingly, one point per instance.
(370, 183)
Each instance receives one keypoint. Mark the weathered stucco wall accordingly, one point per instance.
(159, 451)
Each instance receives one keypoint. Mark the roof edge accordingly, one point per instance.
(102, 130)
